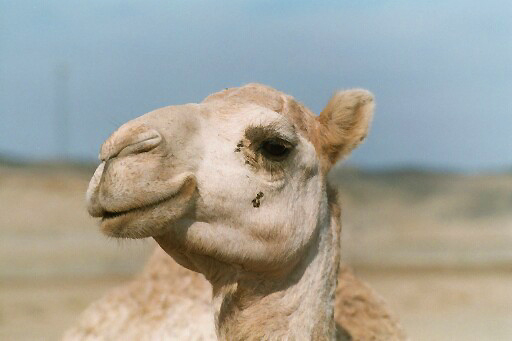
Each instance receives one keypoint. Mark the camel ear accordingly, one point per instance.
(344, 123)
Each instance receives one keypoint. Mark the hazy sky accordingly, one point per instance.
(441, 70)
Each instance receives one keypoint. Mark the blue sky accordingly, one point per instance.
(441, 70)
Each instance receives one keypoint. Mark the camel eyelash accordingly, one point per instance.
(267, 142)
(266, 149)
(258, 134)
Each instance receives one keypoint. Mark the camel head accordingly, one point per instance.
(238, 179)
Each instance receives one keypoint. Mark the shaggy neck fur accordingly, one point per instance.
(298, 307)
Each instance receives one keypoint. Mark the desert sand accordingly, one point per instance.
(436, 246)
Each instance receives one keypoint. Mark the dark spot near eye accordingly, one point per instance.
(237, 149)
(240, 144)
(247, 162)
(256, 201)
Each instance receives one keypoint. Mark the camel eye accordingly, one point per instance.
(275, 149)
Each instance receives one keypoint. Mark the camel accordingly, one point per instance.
(235, 192)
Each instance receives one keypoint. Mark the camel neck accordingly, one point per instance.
(299, 306)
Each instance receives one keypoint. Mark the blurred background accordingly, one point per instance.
(427, 199)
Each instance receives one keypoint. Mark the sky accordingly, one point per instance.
(441, 71)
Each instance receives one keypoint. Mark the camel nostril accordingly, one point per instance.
(141, 146)
(130, 139)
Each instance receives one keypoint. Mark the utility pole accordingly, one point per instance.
(62, 111)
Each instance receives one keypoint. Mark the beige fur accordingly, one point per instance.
(234, 188)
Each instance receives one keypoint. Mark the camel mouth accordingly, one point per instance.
(109, 215)
(151, 219)
(112, 215)
(139, 222)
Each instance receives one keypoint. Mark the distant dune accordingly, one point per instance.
(408, 218)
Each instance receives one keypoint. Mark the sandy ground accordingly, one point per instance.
(431, 305)
(436, 247)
